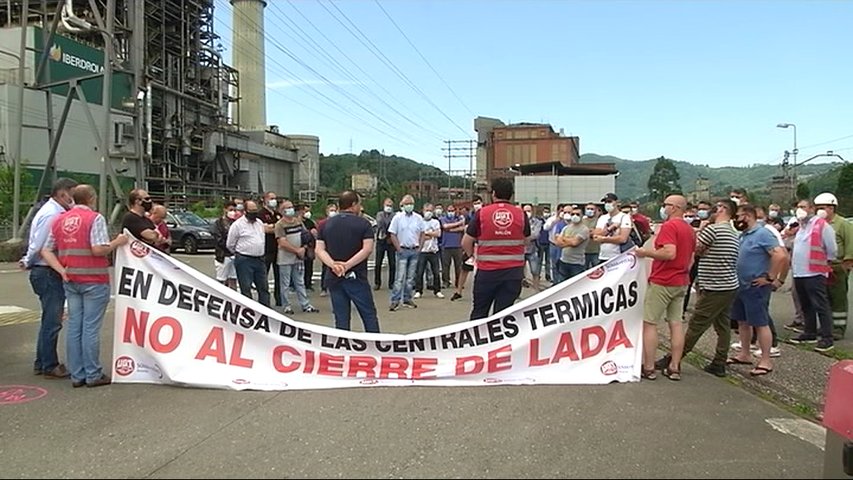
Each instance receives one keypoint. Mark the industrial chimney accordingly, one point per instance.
(249, 59)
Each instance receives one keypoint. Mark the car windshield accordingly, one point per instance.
(189, 218)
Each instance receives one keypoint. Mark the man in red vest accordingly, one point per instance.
(82, 244)
(500, 230)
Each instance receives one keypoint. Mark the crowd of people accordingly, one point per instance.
(731, 253)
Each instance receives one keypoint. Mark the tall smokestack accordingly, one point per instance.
(249, 59)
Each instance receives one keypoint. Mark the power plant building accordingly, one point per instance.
(180, 121)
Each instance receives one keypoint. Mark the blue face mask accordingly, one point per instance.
(289, 212)
(589, 213)
(702, 214)
(663, 214)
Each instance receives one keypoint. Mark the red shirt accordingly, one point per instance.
(675, 272)
(164, 231)
(643, 224)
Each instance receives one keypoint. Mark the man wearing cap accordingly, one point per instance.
(613, 228)
(826, 204)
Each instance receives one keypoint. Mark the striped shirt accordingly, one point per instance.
(718, 266)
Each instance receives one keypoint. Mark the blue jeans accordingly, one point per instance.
(407, 264)
(47, 284)
(86, 305)
(591, 260)
(358, 292)
(544, 252)
(252, 270)
(554, 253)
(568, 270)
(293, 275)
(533, 262)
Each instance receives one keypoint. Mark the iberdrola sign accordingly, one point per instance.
(57, 55)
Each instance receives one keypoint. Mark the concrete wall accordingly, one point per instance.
(553, 190)
(308, 169)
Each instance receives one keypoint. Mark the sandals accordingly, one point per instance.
(674, 375)
(736, 361)
(759, 371)
(648, 374)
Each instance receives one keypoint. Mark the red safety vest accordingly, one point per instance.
(71, 232)
(501, 242)
(817, 255)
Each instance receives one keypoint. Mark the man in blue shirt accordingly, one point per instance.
(761, 261)
(46, 282)
(452, 228)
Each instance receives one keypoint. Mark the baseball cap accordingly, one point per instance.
(610, 197)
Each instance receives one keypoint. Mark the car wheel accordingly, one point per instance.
(190, 245)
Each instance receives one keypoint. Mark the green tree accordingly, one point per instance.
(7, 188)
(844, 191)
(664, 180)
(803, 191)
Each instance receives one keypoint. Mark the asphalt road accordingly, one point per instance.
(699, 427)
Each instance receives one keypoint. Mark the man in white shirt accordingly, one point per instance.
(247, 239)
(612, 229)
(406, 234)
(429, 254)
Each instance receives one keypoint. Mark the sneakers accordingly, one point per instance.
(824, 345)
(715, 369)
(439, 295)
(737, 347)
(104, 380)
(410, 304)
(288, 310)
(803, 339)
(794, 327)
(310, 309)
(775, 352)
(455, 296)
(323, 293)
(58, 372)
(394, 307)
(417, 295)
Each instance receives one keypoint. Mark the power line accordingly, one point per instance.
(461, 102)
(321, 96)
(381, 56)
(828, 142)
(305, 39)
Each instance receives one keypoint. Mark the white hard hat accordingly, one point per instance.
(826, 199)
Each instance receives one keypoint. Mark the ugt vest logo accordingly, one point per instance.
(71, 224)
(502, 218)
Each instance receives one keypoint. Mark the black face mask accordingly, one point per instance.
(147, 204)
(741, 225)
(251, 216)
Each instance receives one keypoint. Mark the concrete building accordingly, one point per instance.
(545, 164)
(182, 123)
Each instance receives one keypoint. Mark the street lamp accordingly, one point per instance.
(794, 153)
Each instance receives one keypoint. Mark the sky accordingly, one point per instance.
(700, 81)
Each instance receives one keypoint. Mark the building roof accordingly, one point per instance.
(558, 168)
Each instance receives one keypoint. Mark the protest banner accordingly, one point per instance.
(175, 325)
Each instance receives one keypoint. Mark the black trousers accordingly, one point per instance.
(269, 260)
(384, 247)
(501, 294)
(432, 260)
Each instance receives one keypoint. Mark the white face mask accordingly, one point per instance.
(388, 209)
(575, 219)
(307, 214)
(567, 217)
(608, 207)
(272, 203)
(438, 212)
(332, 213)
(428, 215)
(736, 200)
(802, 214)
(821, 213)
(689, 219)
(774, 213)
(529, 214)
(663, 214)
(478, 206)
(634, 210)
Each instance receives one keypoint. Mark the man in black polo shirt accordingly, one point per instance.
(343, 244)
(136, 222)
(269, 216)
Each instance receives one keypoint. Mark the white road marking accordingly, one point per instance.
(801, 428)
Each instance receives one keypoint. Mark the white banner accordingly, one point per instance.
(174, 325)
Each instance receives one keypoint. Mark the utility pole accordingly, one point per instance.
(16, 201)
(460, 149)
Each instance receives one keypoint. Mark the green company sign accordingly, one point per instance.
(69, 59)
